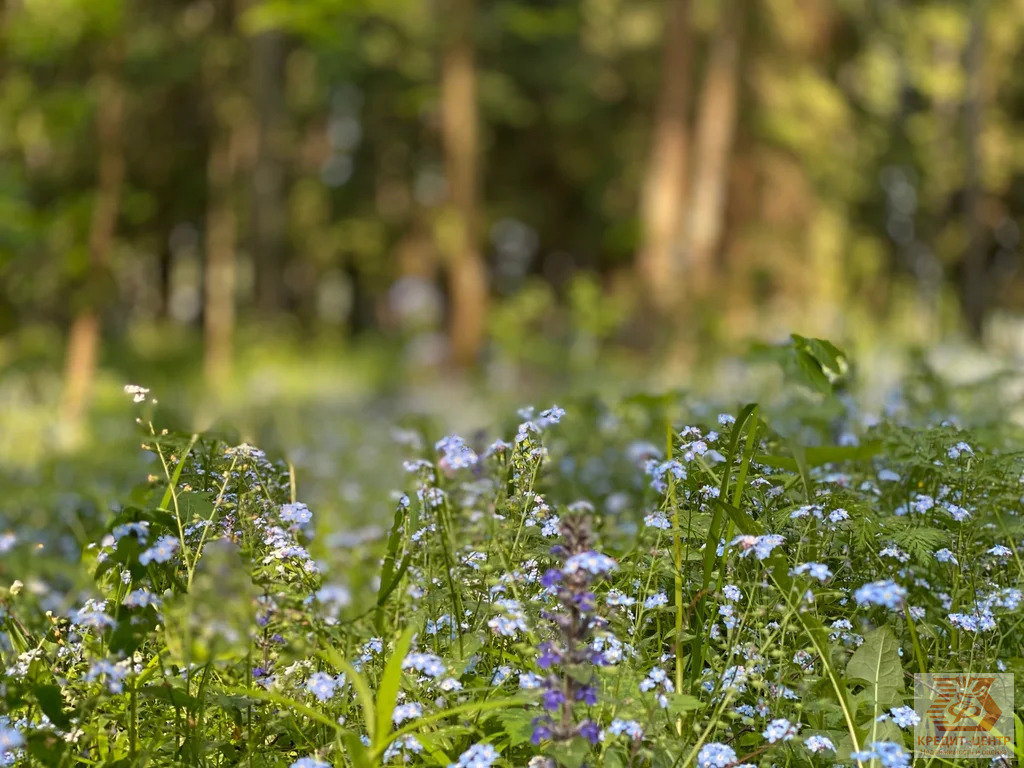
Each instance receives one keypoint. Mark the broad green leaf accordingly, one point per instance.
(46, 747)
(743, 522)
(52, 703)
(877, 664)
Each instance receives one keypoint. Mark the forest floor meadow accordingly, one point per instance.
(337, 570)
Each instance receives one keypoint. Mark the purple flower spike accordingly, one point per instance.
(585, 602)
(552, 700)
(588, 730)
(541, 731)
(551, 577)
(548, 656)
(587, 694)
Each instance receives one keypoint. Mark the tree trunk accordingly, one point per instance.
(664, 188)
(219, 271)
(716, 128)
(974, 290)
(467, 276)
(228, 119)
(268, 204)
(84, 334)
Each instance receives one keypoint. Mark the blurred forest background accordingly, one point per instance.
(190, 187)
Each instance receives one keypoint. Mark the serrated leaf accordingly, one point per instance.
(517, 724)
(921, 542)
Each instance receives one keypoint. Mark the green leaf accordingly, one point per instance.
(462, 657)
(257, 694)
(877, 664)
(743, 522)
(811, 371)
(417, 725)
(815, 456)
(172, 695)
(355, 749)
(132, 630)
(815, 363)
(52, 703)
(386, 588)
(920, 541)
(387, 692)
(172, 483)
(517, 724)
(194, 505)
(46, 747)
(572, 754)
(680, 703)
(389, 576)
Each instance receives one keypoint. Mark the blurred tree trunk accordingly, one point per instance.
(467, 275)
(663, 194)
(268, 200)
(219, 271)
(84, 334)
(716, 128)
(974, 290)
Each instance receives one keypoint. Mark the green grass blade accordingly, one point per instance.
(356, 751)
(387, 693)
(711, 543)
(172, 481)
(283, 701)
(464, 709)
(388, 578)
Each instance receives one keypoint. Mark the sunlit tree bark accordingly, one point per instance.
(716, 128)
(467, 276)
(974, 288)
(219, 271)
(221, 236)
(664, 187)
(84, 334)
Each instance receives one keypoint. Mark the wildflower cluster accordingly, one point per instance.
(574, 590)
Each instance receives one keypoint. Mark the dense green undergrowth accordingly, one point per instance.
(644, 582)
